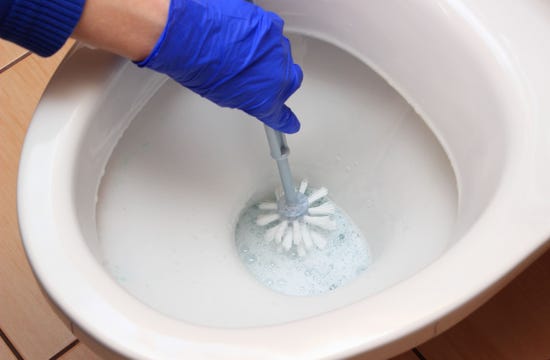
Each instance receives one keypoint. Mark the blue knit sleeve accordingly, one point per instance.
(5, 6)
(42, 26)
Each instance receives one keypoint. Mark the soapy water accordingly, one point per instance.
(345, 257)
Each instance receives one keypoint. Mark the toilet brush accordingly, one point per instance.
(296, 215)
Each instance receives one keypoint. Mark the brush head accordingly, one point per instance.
(300, 226)
(315, 253)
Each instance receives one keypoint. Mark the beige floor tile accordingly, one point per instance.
(9, 52)
(80, 352)
(409, 355)
(25, 316)
(5, 352)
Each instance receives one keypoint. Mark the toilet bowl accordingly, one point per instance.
(428, 122)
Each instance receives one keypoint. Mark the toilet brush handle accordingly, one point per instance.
(279, 152)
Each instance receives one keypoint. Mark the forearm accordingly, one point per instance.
(126, 27)
(129, 28)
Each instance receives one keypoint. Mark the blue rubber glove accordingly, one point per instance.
(232, 53)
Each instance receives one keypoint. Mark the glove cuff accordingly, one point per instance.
(145, 62)
(42, 26)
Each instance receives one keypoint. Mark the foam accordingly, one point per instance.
(345, 257)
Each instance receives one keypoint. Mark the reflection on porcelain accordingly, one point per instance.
(426, 120)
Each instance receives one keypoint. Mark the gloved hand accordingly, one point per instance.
(232, 53)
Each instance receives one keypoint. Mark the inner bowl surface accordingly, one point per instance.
(185, 168)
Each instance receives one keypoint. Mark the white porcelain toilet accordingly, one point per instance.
(429, 122)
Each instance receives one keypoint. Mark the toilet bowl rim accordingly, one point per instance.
(503, 207)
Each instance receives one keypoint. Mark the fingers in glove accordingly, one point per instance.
(283, 120)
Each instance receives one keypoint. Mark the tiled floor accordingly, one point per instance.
(513, 325)
(9, 54)
(31, 329)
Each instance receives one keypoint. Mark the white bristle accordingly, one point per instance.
(301, 251)
(267, 206)
(324, 222)
(266, 219)
(303, 186)
(287, 240)
(281, 231)
(318, 239)
(317, 195)
(323, 209)
(308, 243)
(296, 233)
(270, 233)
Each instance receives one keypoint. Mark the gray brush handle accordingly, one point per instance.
(279, 152)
